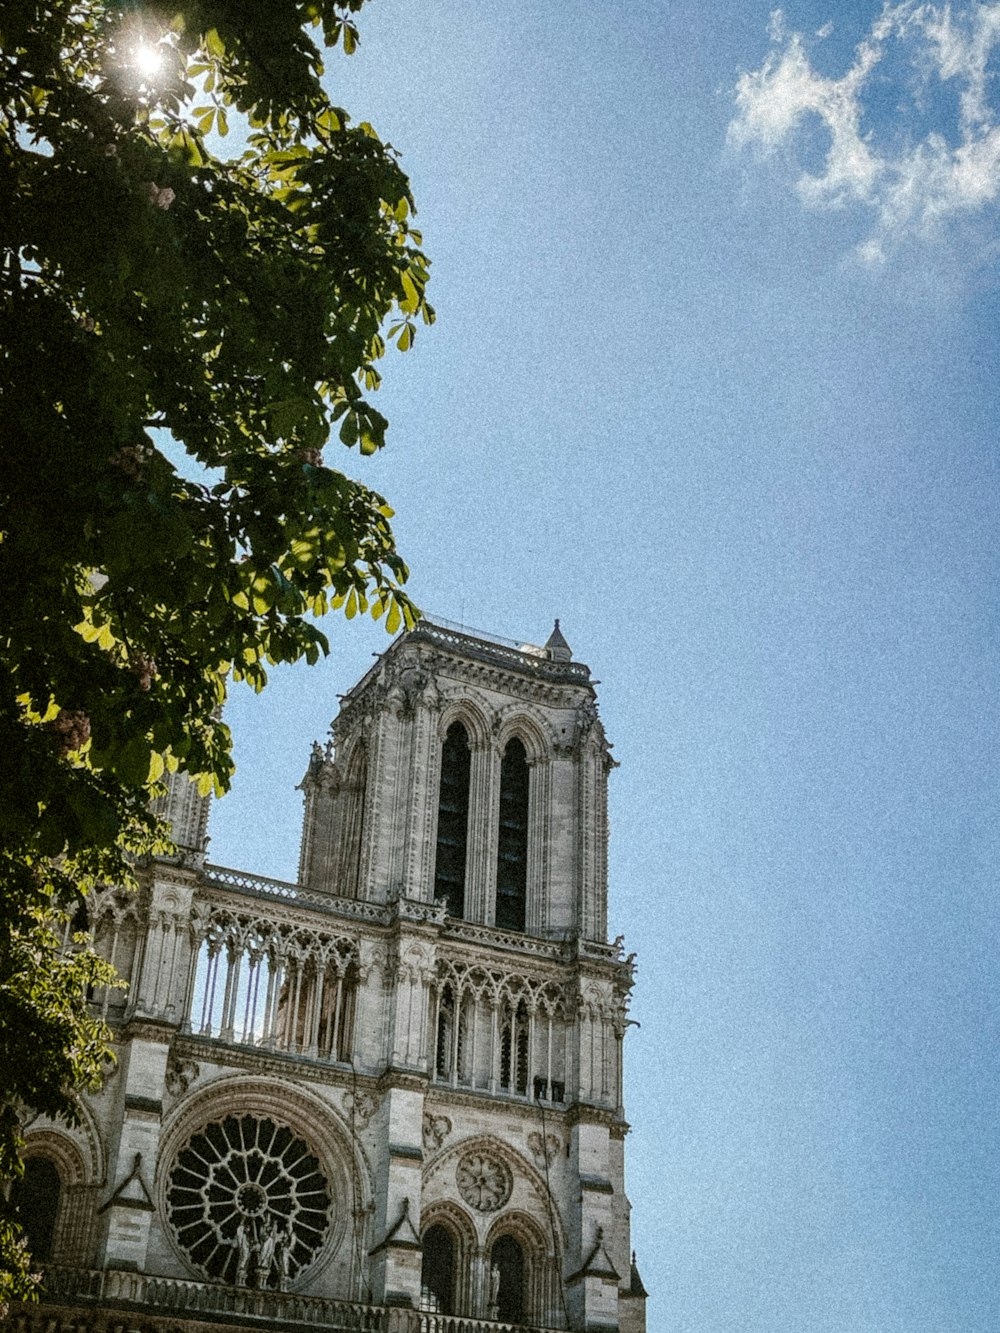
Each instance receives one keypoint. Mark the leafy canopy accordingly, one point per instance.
(241, 304)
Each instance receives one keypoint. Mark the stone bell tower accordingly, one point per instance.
(388, 1095)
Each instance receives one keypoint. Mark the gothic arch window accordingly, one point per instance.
(508, 1277)
(523, 1268)
(453, 821)
(353, 795)
(512, 842)
(437, 1272)
(37, 1196)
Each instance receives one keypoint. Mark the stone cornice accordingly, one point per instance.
(442, 1097)
(582, 1113)
(278, 1064)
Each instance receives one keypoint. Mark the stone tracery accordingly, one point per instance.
(248, 1202)
(265, 983)
(499, 1030)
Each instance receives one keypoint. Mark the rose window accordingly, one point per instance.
(483, 1181)
(248, 1202)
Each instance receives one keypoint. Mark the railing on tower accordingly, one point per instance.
(222, 1303)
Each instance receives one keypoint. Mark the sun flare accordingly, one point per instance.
(148, 60)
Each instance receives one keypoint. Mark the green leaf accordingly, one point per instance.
(411, 296)
(214, 44)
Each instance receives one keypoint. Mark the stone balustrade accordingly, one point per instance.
(180, 1299)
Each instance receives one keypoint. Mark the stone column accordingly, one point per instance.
(422, 800)
(562, 845)
(396, 1254)
(484, 818)
(126, 1211)
(539, 808)
(592, 1285)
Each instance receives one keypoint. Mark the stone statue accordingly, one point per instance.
(244, 1253)
(283, 1255)
(494, 1309)
(265, 1253)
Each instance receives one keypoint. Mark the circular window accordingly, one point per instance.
(248, 1202)
(484, 1181)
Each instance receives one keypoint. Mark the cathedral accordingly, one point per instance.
(387, 1096)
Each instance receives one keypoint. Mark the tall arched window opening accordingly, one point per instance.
(508, 1257)
(353, 797)
(512, 853)
(453, 821)
(437, 1272)
(36, 1197)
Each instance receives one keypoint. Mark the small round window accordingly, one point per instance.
(248, 1202)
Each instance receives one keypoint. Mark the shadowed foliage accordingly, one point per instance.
(159, 298)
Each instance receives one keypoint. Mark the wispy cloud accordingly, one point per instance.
(909, 185)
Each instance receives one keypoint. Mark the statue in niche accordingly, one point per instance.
(244, 1253)
(265, 1253)
(284, 1240)
(494, 1306)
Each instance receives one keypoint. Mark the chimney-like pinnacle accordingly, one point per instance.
(557, 647)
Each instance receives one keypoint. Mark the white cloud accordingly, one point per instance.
(907, 187)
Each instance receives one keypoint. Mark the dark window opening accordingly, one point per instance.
(505, 1055)
(512, 854)
(509, 1259)
(549, 1092)
(453, 821)
(354, 817)
(522, 1054)
(437, 1272)
(36, 1197)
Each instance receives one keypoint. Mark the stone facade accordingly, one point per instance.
(347, 1101)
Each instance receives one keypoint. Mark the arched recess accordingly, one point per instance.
(534, 732)
(449, 1241)
(528, 1290)
(57, 1198)
(524, 746)
(116, 930)
(451, 855)
(353, 796)
(340, 1162)
(513, 837)
(472, 718)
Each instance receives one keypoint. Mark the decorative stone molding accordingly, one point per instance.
(242, 885)
(544, 1150)
(494, 938)
(180, 1075)
(484, 1181)
(359, 1106)
(436, 1129)
(417, 911)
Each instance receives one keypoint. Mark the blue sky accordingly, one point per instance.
(714, 381)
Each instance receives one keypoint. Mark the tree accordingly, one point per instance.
(155, 297)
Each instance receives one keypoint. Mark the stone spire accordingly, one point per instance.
(558, 649)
